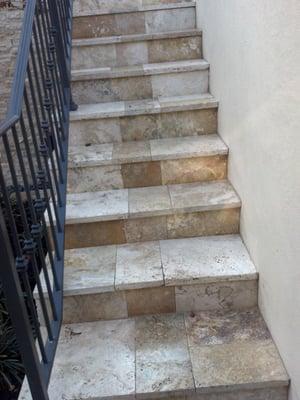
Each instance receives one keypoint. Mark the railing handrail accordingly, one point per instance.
(38, 113)
(18, 83)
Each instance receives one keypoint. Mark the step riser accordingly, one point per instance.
(226, 296)
(134, 23)
(190, 224)
(143, 127)
(136, 53)
(152, 173)
(140, 87)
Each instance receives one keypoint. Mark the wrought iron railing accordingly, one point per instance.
(33, 173)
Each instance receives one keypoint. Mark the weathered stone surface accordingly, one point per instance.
(232, 349)
(175, 49)
(145, 229)
(217, 222)
(141, 174)
(193, 170)
(228, 295)
(100, 348)
(157, 300)
(162, 358)
(90, 270)
(205, 196)
(97, 206)
(138, 266)
(152, 201)
(95, 234)
(187, 147)
(93, 179)
(170, 20)
(186, 261)
(94, 307)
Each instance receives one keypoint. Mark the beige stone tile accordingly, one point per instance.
(94, 234)
(187, 123)
(84, 57)
(150, 201)
(170, 20)
(205, 259)
(89, 270)
(224, 365)
(98, 154)
(187, 147)
(87, 353)
(93, 179)
(277, 393)
(217, 222)
(128, 152)
(219, 327)
(94, 26)
(130, 23)
(140, 127)
(133, 53)
(95, 307)
(138, 266)
(204, 196)
(97, 206)
(201, 169)
(233, 295)
(147, 106)
(141, 174)
(138, 87)
(232, 349)
(94, 91)
(145, 229)
(98, 110)
(175, 49)
(87, 132)
(147, 301)
(92, 6)
(162, 359)
(177, 84)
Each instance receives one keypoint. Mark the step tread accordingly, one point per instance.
(144, 151)
(138, 37)
(166, 67)
(143, 202)
(140, 107)
(128, 7)
(173, 262)
(164, 355)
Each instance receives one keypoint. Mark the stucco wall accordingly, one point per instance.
(254, 50)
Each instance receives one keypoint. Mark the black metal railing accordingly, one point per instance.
(33, 173)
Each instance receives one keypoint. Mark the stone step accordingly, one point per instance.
(152, 213)
(178, 275)
(147, 163)
(199, 356)
(90, 7)
(97, 19)
(143, 119)
(119, 51)
(178, 78)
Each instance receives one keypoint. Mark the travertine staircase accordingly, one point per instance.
(160, 292)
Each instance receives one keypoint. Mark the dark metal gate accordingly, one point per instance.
(33, 173)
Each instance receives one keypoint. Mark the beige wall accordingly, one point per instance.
(254, 50)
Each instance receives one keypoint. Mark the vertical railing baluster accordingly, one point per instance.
(33, 188)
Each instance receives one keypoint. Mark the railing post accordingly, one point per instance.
(19, 316)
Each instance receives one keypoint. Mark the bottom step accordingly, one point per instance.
(208, 356)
